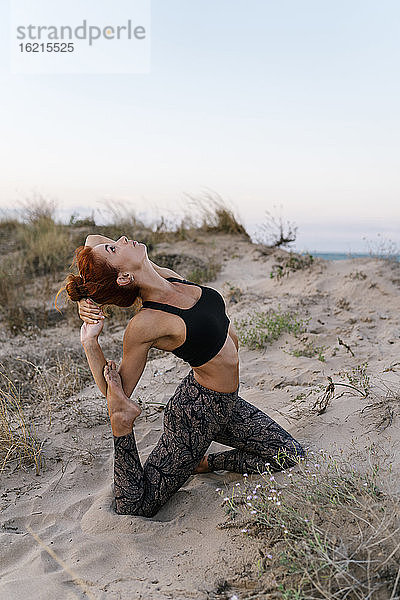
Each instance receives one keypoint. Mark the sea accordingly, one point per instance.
(347, 255)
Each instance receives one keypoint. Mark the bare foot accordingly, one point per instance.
(122, 410)
(202, 467)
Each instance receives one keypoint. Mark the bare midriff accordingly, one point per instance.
(221, 373)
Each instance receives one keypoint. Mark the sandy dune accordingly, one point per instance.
(181, 553)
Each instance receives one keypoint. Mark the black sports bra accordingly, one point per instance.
(206, 324)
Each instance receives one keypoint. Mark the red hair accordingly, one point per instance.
(97, 280)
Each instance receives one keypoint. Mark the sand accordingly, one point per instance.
(183, 552)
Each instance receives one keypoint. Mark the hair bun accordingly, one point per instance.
(76, 288)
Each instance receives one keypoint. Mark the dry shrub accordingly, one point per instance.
(8, 286)
(325, 529)
(383, 248)
(233, 293)
(12, 287)
(18, 442)
(8, 229)
(172, 229)
(56, 379)
(384, 403)
(46, 381)
(192, 268)
(215, 215)
(43, 243)
(46, 247)
(16, 316)
(275, 233)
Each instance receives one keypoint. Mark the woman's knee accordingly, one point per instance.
(122, 507)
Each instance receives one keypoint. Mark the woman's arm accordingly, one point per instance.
(138, 339)
(94, 240)
(97, 362)
(94, 354)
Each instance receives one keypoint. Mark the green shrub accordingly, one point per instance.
(359, 378)
(309, 351)
(290, 263)
(259, 329)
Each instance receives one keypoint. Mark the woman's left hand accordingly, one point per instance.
(91, 331)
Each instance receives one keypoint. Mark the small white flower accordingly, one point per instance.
(278, 503)
(245, 475)
(253, 512)
(269, 497)
(365, 484)
(244, 530)
(268, 555)
(285, 531)
(217, 489)
(226, 499)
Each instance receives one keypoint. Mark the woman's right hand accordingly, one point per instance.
(89, 312)
(93, 320)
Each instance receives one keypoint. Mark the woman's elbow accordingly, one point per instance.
(90, 241)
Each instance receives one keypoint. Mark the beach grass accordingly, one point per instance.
(325, 529)
(19, 445)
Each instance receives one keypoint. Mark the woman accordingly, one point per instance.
(189, 320)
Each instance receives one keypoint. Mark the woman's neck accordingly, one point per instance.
(152, 286)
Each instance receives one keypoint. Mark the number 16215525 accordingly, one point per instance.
(46, 47)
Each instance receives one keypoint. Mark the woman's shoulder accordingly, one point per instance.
(147, 326)
(143, 327)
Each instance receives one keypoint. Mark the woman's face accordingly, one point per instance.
(124, 254)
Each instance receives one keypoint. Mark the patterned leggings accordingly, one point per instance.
(194, 417)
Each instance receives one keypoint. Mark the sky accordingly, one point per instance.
(286, 106)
